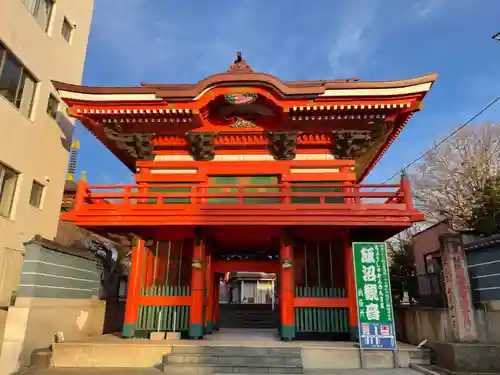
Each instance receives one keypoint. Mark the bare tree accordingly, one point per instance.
(399, 251)
(447, 182)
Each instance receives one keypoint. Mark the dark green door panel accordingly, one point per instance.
(296, 188)
(172, 200)
(244, 180)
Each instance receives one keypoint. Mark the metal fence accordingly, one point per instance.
(484, 269)
(431, 290)
(425, 290)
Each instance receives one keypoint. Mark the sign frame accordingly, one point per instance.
(365, 328)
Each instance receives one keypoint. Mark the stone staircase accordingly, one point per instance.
(248, 316)
(200, 360)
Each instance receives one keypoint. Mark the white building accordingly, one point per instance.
(40, 41)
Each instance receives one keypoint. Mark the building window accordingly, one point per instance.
(8, 183)
(17, 85)
(52, 106)
(36, 194)
(41, 10)
(67, 30)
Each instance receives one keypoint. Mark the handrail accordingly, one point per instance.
(298, 186)
(286, 194)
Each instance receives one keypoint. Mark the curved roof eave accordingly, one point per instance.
(295, 89)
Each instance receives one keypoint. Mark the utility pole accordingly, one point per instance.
(496, 36)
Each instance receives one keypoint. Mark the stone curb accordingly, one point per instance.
(424, 370)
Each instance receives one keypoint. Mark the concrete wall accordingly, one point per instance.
(427, 242)
(58, 293)
(37, 146)
(33, 322)
(414, 324)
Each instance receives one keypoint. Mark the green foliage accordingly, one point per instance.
(402, 258)
(402, 265)
(485, 217)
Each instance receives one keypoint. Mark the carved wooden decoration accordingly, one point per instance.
(241, 123)
(169, 140)
(201, 146)
(283, 145)
(239, 65)
(351, 144)
(137, 145)
(240, 98)
(314, 139)
(246, 140)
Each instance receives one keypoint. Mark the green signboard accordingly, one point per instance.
(375, 314)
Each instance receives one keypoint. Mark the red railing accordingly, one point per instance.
(244, 195)
(279, 203)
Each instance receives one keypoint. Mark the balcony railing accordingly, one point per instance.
(336, 196)
(194, 203)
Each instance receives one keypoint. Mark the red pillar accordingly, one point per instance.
(161, 266)
(286, 289)
(149, 268)
(196, 323)
(134, 290)
(406, 189)
(210, 295)
(350, 289)
(216, 301)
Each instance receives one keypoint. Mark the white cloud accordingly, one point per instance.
(127, 36)
(148, 41)
(424, 8)
(366, 25)
(352, 44)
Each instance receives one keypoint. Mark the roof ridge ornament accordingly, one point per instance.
(239, 65)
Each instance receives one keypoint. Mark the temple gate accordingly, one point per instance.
(242, 162)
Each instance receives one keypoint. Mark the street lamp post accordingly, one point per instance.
(496, 36)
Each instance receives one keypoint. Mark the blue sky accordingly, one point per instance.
(168, 41)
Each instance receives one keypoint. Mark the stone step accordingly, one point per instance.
(234, 360)
(249, 325)
(246, 307)
(420, 357)
(247, 312)
(199, 360)
(244, 319)
(236, 350)
(249, 321)
(250, 318)
(185, 369)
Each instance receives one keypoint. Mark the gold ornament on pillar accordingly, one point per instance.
(286, 264)
(196, 263)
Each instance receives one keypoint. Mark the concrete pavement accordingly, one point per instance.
(152, 371)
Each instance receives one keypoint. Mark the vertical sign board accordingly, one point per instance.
(456, 280)
(373, 296)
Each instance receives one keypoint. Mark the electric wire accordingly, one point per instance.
(445, 139)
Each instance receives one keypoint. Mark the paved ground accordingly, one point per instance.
(129, 371)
